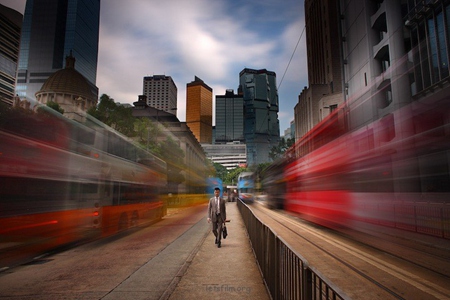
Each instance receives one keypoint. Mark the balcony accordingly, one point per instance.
(378, 20)
(383, 80)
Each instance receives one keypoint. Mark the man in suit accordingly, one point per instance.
(217, 214)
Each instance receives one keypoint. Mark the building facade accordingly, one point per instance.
(161, 92)
(428, 23)
(397, 74)
(230, 155)
(10, 27)
(51, 30)
(323, 40)
(195, 165)
(261, 125)
(229, 118)
(199, 110)
(70, 90)
(376, 53)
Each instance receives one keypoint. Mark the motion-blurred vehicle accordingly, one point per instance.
(391, 173)
(246, 187)
(62, 181)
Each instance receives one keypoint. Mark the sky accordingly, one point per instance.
(213, 40)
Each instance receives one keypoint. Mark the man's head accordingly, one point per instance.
(216, 192)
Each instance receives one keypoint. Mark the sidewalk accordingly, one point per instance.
(229, 272)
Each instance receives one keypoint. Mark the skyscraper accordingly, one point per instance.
(51, 30)
(161, 93)
(261, 125)
(10, 25)
(229, 118)
(323, 40)
(325, 64)
(199, 110)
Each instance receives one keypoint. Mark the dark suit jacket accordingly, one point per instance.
(212, 209)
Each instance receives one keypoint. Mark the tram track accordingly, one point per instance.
(365, 261)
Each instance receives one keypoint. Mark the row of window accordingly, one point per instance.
(429, 41)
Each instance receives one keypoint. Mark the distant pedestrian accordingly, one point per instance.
(217, 214)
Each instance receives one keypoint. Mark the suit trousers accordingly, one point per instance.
(217, 227)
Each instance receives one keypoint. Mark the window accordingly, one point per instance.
(333, 107)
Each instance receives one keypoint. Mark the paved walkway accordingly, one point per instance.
(229, 272)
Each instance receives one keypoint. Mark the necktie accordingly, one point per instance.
(217, 205)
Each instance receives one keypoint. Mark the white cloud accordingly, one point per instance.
(213, 40)
(148, 38)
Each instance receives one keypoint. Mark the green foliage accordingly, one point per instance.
(174, 157)
(230, 177)
(116, 116)
(55, 106)
(147, 133)
(261, 168)
(233, 175)
(221, 171)
(278, 150)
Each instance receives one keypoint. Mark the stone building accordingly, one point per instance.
(69, 89)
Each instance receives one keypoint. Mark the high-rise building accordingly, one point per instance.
(10, 26)
(229, 118)
(428, 23)
(323, 40)
(161, 93)
(261, 125)
(199, 110)
(376, 75)
(51, 30)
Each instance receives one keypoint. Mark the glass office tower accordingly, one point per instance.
(52, 29)
(261, 125)
(229, 118)
(10, 24)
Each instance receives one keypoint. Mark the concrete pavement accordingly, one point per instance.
(229, 272)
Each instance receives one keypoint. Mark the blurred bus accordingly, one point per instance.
(63, 181)
(391, 173)
(246, 187)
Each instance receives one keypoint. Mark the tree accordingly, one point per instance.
(278, 150)
(116, 116)
(233, 175)
(55, 106)
(221, 171)
(171, 152)
(104, 110)
(124, 120)
(147, 132)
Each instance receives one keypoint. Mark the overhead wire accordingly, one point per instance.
(289, 63)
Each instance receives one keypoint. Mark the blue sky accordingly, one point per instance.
(213, 40)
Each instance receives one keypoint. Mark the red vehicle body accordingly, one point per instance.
(392, 172)
(62, 181)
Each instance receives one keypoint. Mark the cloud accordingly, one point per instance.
(181, 41)
(213, 40)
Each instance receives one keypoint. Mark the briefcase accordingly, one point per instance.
(224, 232)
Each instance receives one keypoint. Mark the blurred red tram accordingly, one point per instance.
(63, 181)
(393, 172)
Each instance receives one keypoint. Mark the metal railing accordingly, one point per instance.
(286, 273)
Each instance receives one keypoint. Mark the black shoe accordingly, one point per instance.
(218, 244)
(215, 242)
